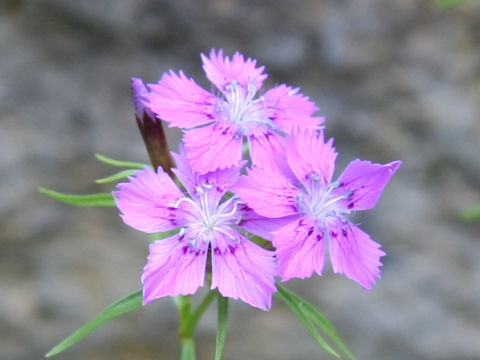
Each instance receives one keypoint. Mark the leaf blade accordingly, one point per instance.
(119, 163)
(117, 176)
(320, 320)
(221, 325)
(290, 302)
(118, 308)
(99, 199)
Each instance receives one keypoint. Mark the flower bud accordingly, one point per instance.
(151, 128)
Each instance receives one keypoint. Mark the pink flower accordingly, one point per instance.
(151, 202)
(216, 125)
(321, 207)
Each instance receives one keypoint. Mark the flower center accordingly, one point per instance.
(241, 107)
(206, 216)
(320, 201)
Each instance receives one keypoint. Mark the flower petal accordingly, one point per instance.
(144, 201)
(218, 146)
(243, 270)
(268, 193)
(289, 109)
(179, 101)
(309, 155)
(261, 225)
(184, 172)
(174, 267)
(300, 249)
(364, 182)
(222, 71)
(216, 183)
(266, 150)
(354, 254)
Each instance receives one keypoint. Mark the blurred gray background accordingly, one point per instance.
(395, 79)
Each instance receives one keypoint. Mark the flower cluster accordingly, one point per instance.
(246, 217)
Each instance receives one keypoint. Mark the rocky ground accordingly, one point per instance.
(395, 79)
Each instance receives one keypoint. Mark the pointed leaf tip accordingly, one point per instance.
(116, 309)
(119, 163)
(99, 199)
(118, 176)
(312, 318)
(297, 310)
(319, 320)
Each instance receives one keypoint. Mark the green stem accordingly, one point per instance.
(187, 345)
(187, 351)
(188, 321)
(188, 327)
(184, 308)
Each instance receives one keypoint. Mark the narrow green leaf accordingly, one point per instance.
(291, 303)
(120, 175)
(221, 325)
(100, 199)
(320, 320)
(119, 163)
(471, 213)
(450, 4)
(118, 308)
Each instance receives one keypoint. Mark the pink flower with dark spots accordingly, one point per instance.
(320, 206)
(207, 222)
(216, 124)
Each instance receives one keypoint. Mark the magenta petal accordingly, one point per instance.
(179, 101)
(243, 270)
(174, 267)
(221, 179)
(144, 201)
(184, 172)
(222, 71)
(216, 182)
(300, 249)
(261, 225)
(308, 155)
(268, 193)
(354, 254)
(218, 146)
(364, 181)
(267, 151)
(290, 109)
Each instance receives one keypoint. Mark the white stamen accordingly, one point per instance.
(179, 201)
(242, 108)
(319, 201)
(314, 177)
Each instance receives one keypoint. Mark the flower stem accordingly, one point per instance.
(189, 326)
(187, 351)
(188, 321)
